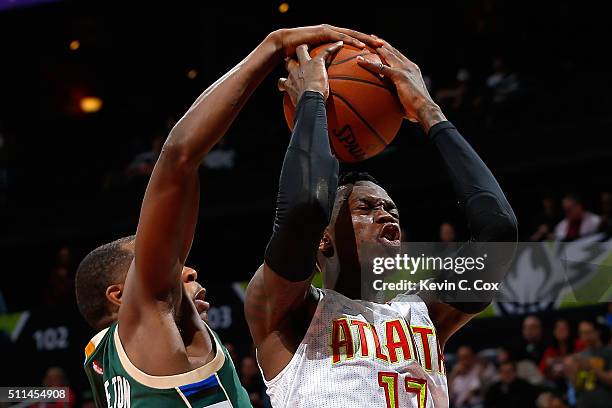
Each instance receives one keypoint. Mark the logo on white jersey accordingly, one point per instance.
(356, 338)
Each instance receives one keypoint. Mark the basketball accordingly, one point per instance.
(363, 111)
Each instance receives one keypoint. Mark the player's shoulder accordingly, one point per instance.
(407, 298)
(409, 304)
(98, 342)
(403, 303)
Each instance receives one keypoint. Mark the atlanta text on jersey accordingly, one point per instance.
(396, 343)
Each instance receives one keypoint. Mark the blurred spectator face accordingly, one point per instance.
(556, 402)
(507, 373)
(248, 367)
(544, 400)
(532, 329)
(447, 232)
(573, 209)
(588, 334)
(54, 377)
(503, 355)
(561, 331)
(60, 285)
(465, 356)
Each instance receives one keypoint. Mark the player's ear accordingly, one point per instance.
(114, 293)
(326, 246)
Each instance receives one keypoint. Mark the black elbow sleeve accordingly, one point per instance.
(490, 220)
(307, 190)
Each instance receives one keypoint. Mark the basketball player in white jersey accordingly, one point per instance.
(327, 348)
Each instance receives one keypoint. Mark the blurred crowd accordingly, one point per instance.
(570, 367)
(573, 221)
(561, 220)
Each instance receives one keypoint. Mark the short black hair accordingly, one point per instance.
(353, 177)
(101, 268)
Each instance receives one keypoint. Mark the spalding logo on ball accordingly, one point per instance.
(363, 111)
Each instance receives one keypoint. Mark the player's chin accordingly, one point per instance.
(377, 248)
(388, 246)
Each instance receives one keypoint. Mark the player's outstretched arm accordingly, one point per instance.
(489, 215)
(307, 190)
(169, 210)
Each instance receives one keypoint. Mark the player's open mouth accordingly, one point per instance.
(200, 304)
(390, 235)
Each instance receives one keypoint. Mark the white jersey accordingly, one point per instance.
(362, 354)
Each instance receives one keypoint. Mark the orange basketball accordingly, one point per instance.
(363, 111)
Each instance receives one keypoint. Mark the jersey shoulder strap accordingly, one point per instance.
(93, 365)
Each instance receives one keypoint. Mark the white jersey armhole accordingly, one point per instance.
(278, 376)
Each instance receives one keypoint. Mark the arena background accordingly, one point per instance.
(89, 89)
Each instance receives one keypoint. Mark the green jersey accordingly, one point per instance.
(117, 383)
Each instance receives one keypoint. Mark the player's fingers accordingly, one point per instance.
(364, 39)
(395, 58)
(395, 51)
(387, 45)
(377, 68)
(328, 54)
(329, 35)
(290, 64)
(389, 57)
(282, 84)
(302, 53)
(373, 67)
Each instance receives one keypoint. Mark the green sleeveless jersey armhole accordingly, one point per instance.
(117, 383)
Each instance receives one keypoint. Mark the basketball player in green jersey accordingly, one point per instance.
(154, 347)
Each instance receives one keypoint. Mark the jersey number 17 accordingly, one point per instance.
(388, 381)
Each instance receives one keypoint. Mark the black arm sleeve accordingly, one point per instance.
(489, 215)
(306, 193)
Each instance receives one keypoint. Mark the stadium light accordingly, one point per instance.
(90, 104)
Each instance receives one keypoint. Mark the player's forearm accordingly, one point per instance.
(209, 117)
(307, 190)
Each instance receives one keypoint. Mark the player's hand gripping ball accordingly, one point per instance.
(363, 111)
